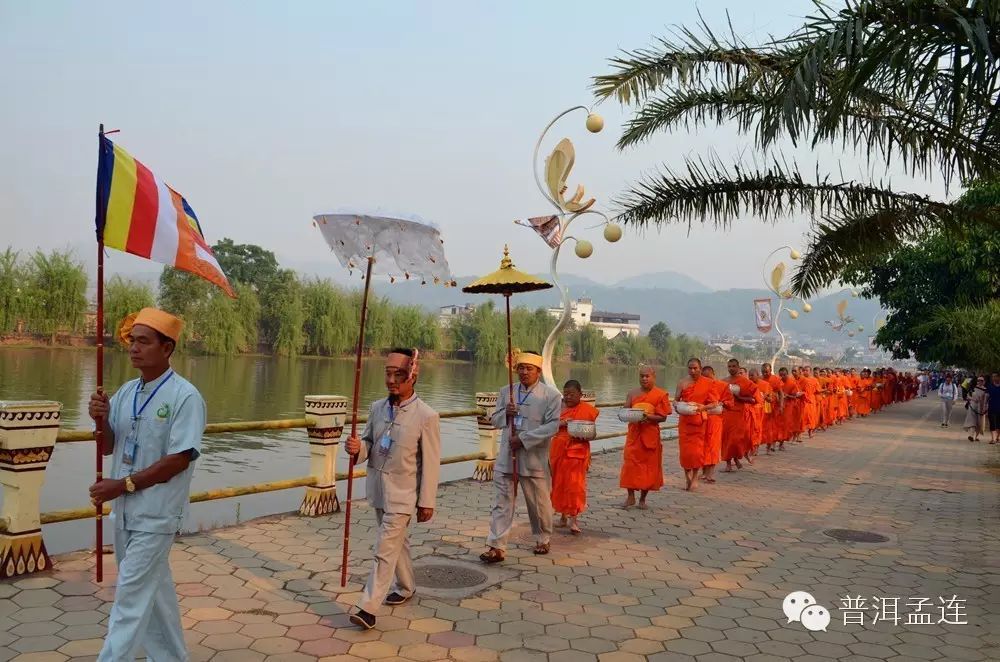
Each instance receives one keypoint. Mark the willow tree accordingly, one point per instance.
(121, 297)
(910, 82)
(54, 295)
(11, 280)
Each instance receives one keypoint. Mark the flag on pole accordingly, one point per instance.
(139, 214)
(762, 314)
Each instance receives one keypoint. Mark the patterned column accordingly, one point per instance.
(27, 436)
(325, 416)
(489, 437)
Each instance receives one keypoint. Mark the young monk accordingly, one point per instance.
(697, 390)
(864, 382)
(642, 465)
(759, 433)
(810, 409)
(737, 417)
(792, 413)
(843, 402)
(774, 423)
(713, 431)
(569, 458)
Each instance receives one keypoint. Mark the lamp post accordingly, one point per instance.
(777, 282)
(552, 185)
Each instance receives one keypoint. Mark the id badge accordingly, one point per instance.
(130, 450)
(518, 421)
(385, 443)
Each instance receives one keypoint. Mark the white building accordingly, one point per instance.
(448, 313)
(610, 324)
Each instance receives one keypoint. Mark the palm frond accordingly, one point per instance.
(710, 190)
(850, 239)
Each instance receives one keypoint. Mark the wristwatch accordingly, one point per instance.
(129, 485)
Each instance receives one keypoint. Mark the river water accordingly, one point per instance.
(244, 388)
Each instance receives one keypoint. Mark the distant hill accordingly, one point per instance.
(664, 280)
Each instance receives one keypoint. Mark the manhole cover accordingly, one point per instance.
(851, 535)
(448, 576)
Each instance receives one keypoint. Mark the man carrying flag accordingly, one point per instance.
(152, 427)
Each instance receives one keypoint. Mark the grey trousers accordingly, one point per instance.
(538, 499)
(946, 406)
(145, 611)
(392, 569)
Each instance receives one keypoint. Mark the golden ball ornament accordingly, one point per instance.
(793, 314)
(612, 232)
(794, 254)
(595, 123)
(584, 249)
(807, 307)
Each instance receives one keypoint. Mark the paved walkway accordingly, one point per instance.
(697, 577)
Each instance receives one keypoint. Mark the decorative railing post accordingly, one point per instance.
(27, 436)
(489, 436)
(325, 417)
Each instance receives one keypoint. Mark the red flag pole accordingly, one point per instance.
(354, 421)
(99, 432)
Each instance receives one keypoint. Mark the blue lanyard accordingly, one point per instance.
(135, 396)
(393, 412)
(520, 400)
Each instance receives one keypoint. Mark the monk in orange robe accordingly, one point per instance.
(875, 397)
(792, 414)
(810, 408)
(763, 392)
(864, 405)
(843, 386)
(642, 465)
(829, 399)
(774, 421)
(697, 391)
(889, 388)
(713, 430)
(569, 458)
(737, 417)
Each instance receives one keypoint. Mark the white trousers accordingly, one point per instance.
(946, 406)
(538, 499)
(145, 612)
(392, 569)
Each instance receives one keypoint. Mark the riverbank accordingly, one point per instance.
(699, 574)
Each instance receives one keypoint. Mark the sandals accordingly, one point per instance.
(492, 555)
(541, 548)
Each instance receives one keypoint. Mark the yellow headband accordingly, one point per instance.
(155, 319)
(529, 359)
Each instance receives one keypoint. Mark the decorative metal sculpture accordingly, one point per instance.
(552, 228)
(777, 281)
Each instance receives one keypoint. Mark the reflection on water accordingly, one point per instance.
(244, 388)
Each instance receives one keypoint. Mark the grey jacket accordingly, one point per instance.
(407, 476)
(540, 410)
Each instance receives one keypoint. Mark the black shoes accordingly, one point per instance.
(363, 619)
(394, 599)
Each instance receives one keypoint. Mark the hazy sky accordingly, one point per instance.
(264, 113)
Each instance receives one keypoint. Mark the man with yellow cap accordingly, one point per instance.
(152, 430)
(533, 408)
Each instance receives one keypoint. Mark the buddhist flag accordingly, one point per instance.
(139, 214)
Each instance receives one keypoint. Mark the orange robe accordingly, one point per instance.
(757, 411)
(775, 420)
(691, 427)
(569, 459)
(875, 395)
(864, 405)
(843, 383)
(737, 420)
(889, 390)
(642, 463)
(713, 426)
(830, 400)
(793, 408)
(855, 382)
(810, 407)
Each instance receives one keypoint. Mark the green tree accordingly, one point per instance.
(659, 337)
(912, 82)
(246, 263)
(588, 344)
(631, 350)
(182, 292)
(11, 279)
(224, 325)
(122, 297)
(330, 324)
(283, 314)
(56, 293)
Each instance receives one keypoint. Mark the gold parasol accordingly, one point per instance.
(507, 281)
